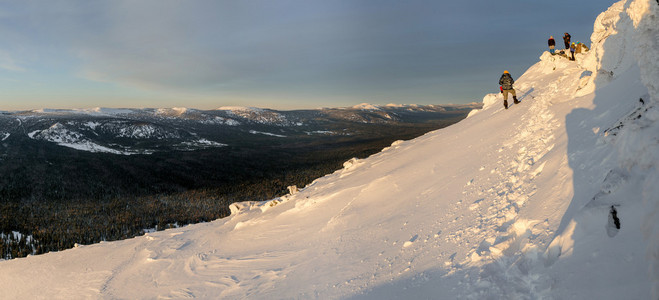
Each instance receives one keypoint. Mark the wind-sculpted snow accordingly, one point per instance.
(553, 198)
(628, 35)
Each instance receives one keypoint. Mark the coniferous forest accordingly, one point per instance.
(53, 197)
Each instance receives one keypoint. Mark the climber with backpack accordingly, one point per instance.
(506, 82)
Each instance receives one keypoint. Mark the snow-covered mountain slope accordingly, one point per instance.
(554, 198)
(59, 134)
(149, 130)
(102, 135)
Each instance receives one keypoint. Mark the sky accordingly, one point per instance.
(287, 54)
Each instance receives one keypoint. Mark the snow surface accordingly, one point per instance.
(507, 204)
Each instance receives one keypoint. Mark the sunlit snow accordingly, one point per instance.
(506, 204)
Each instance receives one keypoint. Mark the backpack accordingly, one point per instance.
(506, 81)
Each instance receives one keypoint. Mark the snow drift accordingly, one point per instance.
(553, 198)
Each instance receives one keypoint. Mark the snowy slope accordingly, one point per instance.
(59, 134)
(507, 204)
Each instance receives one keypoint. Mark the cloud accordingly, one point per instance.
(260, 45)
(171, 45)
(286, 47)
(8, 63)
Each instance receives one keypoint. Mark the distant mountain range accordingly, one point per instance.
(146, 131)
(89, 175)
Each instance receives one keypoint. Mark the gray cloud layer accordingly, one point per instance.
(350, 46)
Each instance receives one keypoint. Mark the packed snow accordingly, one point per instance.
(553, 198)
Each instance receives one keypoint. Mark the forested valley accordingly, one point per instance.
(53, 197)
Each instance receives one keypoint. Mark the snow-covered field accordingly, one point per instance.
(507, 204)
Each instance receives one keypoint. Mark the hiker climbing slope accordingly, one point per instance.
(506, 82)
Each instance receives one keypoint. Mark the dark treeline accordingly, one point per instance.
(63, 197)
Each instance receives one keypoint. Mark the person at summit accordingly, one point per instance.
(552, 45)
(566, 40)
(573, 48)
(506, 82)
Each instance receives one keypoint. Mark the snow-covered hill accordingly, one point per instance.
(149, 130)
(554, 198)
